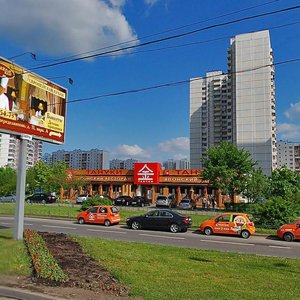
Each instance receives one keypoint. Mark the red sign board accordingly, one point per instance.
(146, 173)
(30, 104)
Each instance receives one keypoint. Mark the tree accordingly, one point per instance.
(227, 168)
(37, 177)
(8, 180)
(256, 185)
(284, 183)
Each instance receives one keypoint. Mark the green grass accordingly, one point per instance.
(14, 259)
(164, 272)
(71, 211)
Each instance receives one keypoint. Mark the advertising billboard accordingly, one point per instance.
(146, 173)
(31, 104)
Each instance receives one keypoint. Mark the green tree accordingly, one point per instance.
(227, 168)
(37, 177)
(256, 185)
(284, 183)
(8, 180)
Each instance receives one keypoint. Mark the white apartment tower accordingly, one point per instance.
(288, 154)
(237, 107)
(9, 151)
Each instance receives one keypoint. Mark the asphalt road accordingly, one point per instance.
(257, 244)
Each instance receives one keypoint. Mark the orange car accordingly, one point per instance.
(289, 232)
(106, 215)
(229, 223)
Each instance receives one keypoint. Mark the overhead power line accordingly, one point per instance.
(176, 83)
(168, 38)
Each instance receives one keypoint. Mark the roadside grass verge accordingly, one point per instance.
(71, 211)
(165, 272)
(14, 259)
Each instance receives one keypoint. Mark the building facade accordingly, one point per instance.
(288, 154)
(80, 159)
(238, 106)
(178, 164)
(9, 151)
(126, 164)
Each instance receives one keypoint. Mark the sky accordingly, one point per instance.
(152, 124)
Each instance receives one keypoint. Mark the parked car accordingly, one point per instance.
(163, 219)
(229, 223)
(8, 198)
(140, 201)
(166, 201)
(289, 232)
(123, 200)
(187, 203)
(82, 197)
(106, 215)
(41, 198)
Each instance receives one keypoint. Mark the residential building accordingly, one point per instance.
(9, 151)
(179, 164)
(94, 159)
(127, 164)
(238, 106)
(288, 154)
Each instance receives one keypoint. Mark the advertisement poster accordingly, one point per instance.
(30, 104)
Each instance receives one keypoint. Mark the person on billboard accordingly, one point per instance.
(40, 110)
(4, 102)
(15, 107)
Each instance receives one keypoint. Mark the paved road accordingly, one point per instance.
(258, 244)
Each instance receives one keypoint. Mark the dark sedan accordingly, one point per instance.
(163, 219)
(41, 198)
(140, 201)
(123, 200)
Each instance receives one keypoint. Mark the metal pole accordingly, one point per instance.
(21, 181)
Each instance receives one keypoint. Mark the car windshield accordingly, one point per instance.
(161, 198)
(82, 195)
(185, 201)
(250, 217)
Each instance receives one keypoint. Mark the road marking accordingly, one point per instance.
(232, 243)
(52, 226)
(162, 236)
(280, 247)
(109, 231)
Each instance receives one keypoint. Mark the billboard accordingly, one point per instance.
(146, 173)
(31, 104)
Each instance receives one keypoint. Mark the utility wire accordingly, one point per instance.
(176, 83)
(169, 37)
(165, 31)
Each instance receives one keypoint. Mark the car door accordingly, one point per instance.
(165, 219)
(222, 224)
(91, 216)
(102, 215)
(151, 220)
(297, 231)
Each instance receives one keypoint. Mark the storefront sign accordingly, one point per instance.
(146, 173)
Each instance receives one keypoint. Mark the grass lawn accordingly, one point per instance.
(164, 272)
(14, 259)
(71, 211)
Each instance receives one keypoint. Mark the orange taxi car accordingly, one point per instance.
(229, 223)
(289, 232)
(106, 215)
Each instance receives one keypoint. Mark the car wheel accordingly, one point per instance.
(43, 202)
(107, 223)
(174, 228)
(135, 225)
(208, 231)
(288, 237)
(245, 234)
(81, 221)
(28, 201)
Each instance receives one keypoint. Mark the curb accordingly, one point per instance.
(17, 293)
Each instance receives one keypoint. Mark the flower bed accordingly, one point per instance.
(43, 262)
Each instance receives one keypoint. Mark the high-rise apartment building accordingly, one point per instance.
(178, 164)
(288, 154)
(238, 106)
(127, 164)
(94, 159)
(9, 151)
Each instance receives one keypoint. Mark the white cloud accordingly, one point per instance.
(288, 131)
(293, 112)
(131, 151)
(175, 145)
(59, 27)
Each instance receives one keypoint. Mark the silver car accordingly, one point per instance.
(81, 198)
(186, 204)
(163, 201)
(8, 198)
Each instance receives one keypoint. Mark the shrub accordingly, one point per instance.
(44, 263)
(95, 200)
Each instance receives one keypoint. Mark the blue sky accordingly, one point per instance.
(152, 125)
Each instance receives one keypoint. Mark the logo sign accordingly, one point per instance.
(146, 173)
(31, 104)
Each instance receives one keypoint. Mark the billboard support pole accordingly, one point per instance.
(21, 181)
